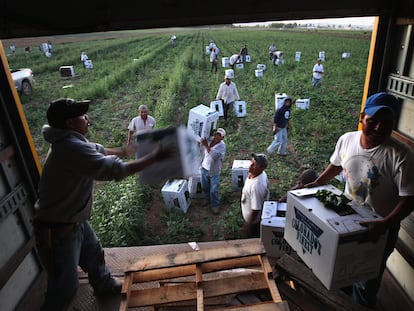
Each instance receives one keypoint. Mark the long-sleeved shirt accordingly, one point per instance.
(228, 92)
(71, 168)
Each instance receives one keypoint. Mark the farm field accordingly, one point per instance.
(141, 67)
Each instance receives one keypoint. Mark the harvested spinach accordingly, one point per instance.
(337, 203)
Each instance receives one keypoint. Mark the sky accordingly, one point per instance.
(354, 21)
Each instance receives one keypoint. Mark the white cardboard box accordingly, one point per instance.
(217, 105)
(279, 100)
(303, 103)
(202, 120)
(185, 161)
(332, 246)
(176, 195)
(272, 228)
(194, 186)
(240, 108)
(239, 173)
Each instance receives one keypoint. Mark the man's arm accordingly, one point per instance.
(327, 175)
(404, 207)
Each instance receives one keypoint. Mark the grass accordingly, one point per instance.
(140, 67)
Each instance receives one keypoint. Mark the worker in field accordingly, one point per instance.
(64, 236)
(235, 58)
(379, 176)
(228, 94)
(317, 73)
(213, 60)
(140, 123)
(255, 192)
(243, 53)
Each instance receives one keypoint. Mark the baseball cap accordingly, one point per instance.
(64, 108)
(260, 159)
(380, 100)
(221, 131)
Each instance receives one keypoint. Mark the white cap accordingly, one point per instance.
(221, 131)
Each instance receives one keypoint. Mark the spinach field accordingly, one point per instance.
(141, 67)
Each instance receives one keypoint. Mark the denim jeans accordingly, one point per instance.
(365, 293)
(79, 247)
(211, 188)
(279, 143)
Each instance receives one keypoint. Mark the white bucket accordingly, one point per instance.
(239, 66)
(258, 73)
(297, 56)
(230, 73)
(208, 50)
(261, 66)
(225, 62)
(346, 55)
(248, 59)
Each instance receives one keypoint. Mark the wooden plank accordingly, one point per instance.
(186, 270)
(268, 274)
(226, 250)
(199, 285)
(187, 291)
(126, 292)
(334, 299)
(264, 306)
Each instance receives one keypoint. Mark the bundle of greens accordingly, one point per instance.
(337, 203)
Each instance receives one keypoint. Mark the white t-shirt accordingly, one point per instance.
(317, 69)
(137, 124)
(255, 191)
(375, 177)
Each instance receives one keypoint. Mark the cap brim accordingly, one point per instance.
(373, 110)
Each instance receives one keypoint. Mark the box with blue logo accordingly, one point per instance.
(334, 245)
(272, 227)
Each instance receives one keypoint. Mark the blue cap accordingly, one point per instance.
(380, 100)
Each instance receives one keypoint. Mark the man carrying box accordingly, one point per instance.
(378, 175)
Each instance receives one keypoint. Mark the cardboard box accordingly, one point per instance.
(303, 103)
(333, 246)
(239, 173)
(240, 108)
(185, 159)
(176, 195)
(272, 227)
(67, 71)
(194, 186)
(202, 120)
(217, 105)
(279, 100)
(261, 66)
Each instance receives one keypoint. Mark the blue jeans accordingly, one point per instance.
(365, 293)
(279, 143)
(211, 188)
(316, 82)
(79, 247)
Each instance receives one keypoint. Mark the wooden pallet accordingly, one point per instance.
(204, 279)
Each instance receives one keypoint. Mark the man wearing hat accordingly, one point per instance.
(211, 166)
(254, 193)
(228, 94)
(64, 236)
(379, 175)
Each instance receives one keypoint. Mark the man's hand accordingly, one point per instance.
(376, 228)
